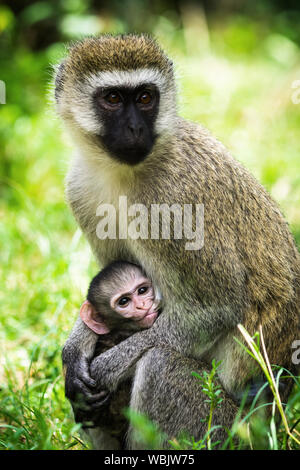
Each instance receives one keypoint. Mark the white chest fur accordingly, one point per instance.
(91, 184)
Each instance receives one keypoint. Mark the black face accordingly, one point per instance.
(128, 116)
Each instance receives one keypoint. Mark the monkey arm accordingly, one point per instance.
(118, 363)
(77, 353)
(115, 365)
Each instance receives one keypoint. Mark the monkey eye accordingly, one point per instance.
(142, 290)
(123, 301)
(145, 98)
(113, 98)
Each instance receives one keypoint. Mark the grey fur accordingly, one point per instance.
(247, 272)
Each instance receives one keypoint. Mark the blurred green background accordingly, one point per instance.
(238, 63)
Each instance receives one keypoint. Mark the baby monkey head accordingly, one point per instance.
(120, 296)
(117, 94)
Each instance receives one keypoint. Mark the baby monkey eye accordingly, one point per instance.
(123, 301)
(145, 98)
(113, 98)
(142, 290)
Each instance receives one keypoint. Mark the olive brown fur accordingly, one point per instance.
(248, 270)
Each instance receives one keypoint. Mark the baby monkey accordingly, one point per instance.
(120, 297)
(121, 300)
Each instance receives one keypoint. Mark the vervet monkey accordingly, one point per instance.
(120, 301)
(117, 98)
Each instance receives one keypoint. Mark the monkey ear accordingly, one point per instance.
(88, 314)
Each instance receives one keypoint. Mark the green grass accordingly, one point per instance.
(242, 94)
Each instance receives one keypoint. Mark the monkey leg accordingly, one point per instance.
(101, 439)
(108, 422)
(170, 396)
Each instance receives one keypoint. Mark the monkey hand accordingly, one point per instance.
(82, 390)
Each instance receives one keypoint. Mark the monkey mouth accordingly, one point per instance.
(148, 319)
(130, 153)
(131, 156)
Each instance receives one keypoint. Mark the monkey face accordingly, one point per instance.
(117, 96)
(127, 117)
(136, 301)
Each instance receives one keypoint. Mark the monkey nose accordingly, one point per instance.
(135, 130)
(140, 305)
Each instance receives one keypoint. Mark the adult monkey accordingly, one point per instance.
(116, 95)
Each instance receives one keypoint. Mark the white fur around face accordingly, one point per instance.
(82, 108)
(127, 78)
